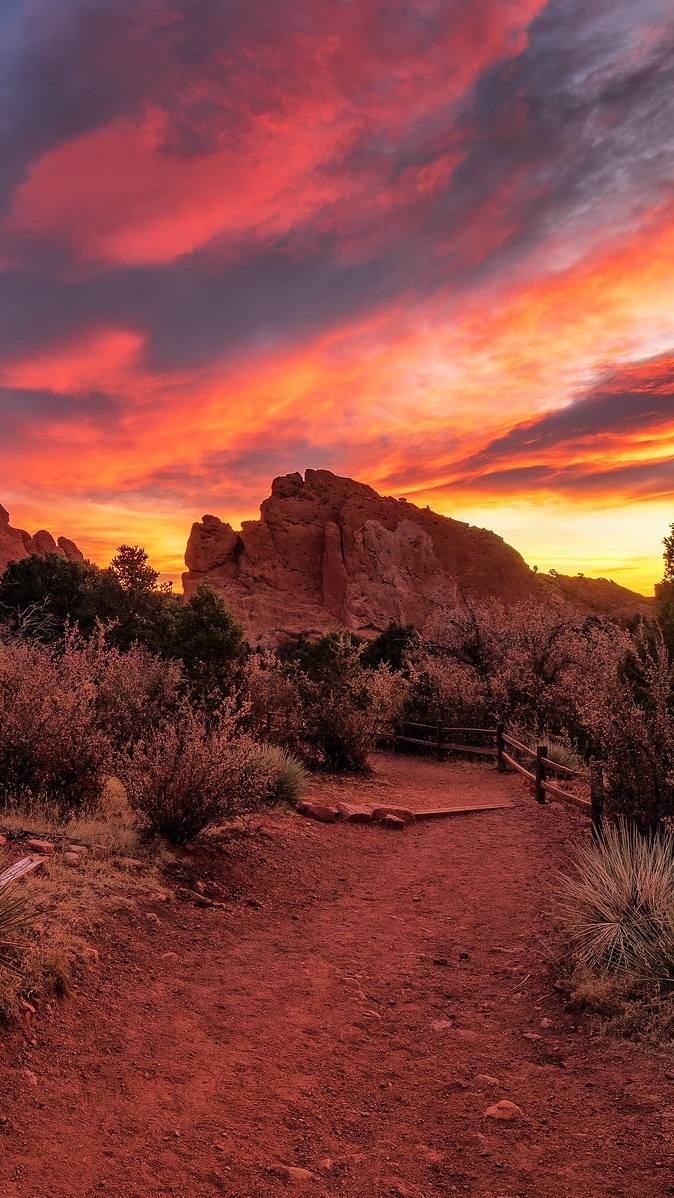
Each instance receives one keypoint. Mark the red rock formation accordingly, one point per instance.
(16, 543)
(328, 552)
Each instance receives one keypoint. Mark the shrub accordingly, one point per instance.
(272, 701)
(321, 702)
(52, 748)
(441, 687)
(632, 727)
(390, 647)
(135, 691)
(284, 773)
(617, 904)
(335, 700)
(209, 642)
(189, 774)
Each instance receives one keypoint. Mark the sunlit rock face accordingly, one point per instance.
(16, 543)
(329, 552)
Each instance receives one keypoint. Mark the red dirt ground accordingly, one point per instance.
(317, 1031)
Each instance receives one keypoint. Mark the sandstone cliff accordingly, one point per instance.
(16, 544)
(328, 552)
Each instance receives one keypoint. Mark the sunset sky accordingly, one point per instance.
(428, 244)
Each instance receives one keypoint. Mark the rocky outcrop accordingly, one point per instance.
(16, 544)
(329, 552)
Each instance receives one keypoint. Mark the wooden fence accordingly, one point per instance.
(508, 752)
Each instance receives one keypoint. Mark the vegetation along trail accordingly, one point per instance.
(342, 1026)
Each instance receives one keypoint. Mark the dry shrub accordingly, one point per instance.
(442, 688)
(135, 691)
(52, 748)
(625, 1005)
(389, 695)
(322, 704)
(189, 774)
(45, 966)
(35, 961)
(530, 664)
(272, 701)
(632, 726)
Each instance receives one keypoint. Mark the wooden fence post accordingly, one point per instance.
(395, 730)
(541, 752)
(500, 761)
(597, 799)
(439, 741)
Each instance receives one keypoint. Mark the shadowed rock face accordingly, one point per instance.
(16, 544)
(329, 552)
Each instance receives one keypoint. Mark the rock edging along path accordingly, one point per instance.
(380, 1022)
(388, 816)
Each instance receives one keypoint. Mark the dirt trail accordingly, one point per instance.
(316, 1031)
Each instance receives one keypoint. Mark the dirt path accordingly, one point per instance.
(316, 1031)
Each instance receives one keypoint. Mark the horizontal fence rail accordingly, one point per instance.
(539, 769)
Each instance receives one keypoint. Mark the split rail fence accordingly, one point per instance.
(509, 753)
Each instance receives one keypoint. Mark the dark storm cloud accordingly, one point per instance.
(189, 313)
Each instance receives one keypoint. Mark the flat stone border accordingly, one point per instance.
(388, 816)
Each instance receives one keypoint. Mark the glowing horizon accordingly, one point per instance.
(428, 247)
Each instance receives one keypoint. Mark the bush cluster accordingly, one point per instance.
(101, 668)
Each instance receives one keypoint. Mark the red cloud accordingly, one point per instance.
(296, 130)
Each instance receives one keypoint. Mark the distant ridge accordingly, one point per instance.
(329, 552)
(16, 544)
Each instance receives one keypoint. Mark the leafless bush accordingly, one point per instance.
(52, 748)
(135, 690)
(530, 664)
(324, 705)
(273, 702)
(632, 725)
(189, 774)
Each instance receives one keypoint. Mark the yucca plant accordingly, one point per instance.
(562, 754)
(286, 774)
(15, 918)
(617, 904)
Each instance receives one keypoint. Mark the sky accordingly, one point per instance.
(425, 243)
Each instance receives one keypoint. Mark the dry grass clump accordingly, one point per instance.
(69, 905)
(562, 754)
(617, 902)
(114, 826)
(624, 1005)
(286, 776)
(35, 962)
(616, 908)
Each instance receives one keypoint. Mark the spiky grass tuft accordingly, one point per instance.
(287, 776)
(563, 754)
(617, 904)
